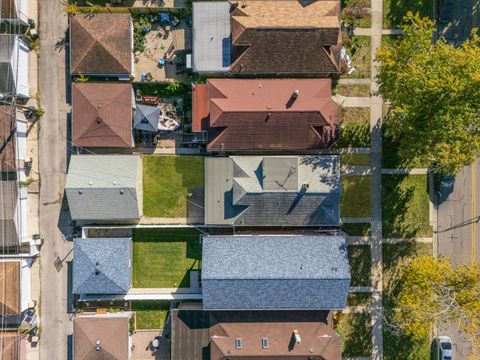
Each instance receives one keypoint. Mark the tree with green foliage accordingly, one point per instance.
(434, 91)
(431, 290)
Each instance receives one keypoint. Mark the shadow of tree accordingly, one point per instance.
(360, 260)
(397, 9)
(355, 330)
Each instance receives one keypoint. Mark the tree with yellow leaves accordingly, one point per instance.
(431, 290)
(434, 91)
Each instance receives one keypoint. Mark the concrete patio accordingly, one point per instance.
(142, 348)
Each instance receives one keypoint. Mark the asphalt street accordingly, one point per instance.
(458, 236)
(56, 324)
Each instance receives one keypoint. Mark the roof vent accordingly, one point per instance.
(334, 268)
(90, 183)
(296, 337)
(97, 346)
(121, 191)
(99, 120)
(238, 343)
(114, 182)
(269, 106)
(264, 343)
(80, 192)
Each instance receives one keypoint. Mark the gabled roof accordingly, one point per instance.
(146, 118)
(286, 36)
(112, 333)
(272, 191)
(7, 138)
(274, 272)
(102, 266)
(8, 217)
(101, 44)
(318, 340)
(102, 114)
(263, 114)
(10, 287)
(103, 187)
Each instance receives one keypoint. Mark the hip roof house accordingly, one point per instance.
(14, 79)
(266, 114)
(274, 273)
(104, 188)
(102, 115)
(267, 37)
(101, 45)
(272, 191)
(102, 266)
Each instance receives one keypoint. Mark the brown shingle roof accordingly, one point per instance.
(110, 332)
(7, 139)
(10, 346)
(318, 340)
(102, 114)
(284, 36)
(101, 44)
(10, 288)
(262, 115)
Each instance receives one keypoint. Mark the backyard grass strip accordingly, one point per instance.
(360, 259)
(356, 196)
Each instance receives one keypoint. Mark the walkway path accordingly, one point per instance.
(376, 224)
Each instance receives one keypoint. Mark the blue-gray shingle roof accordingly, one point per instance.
(274, 272)
(102, 266)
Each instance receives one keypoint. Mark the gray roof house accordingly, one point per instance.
(104, 188)
(10, 217)
(146, 118)
(272, 191)
(14, 66)
(102, 266)
(274, 272)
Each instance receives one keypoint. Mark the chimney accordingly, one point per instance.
(295, 94)
(305, 186)
(296, 337)
(97, 346)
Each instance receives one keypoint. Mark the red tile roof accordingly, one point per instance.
(263, 114)
(102, 114)
(7, 139)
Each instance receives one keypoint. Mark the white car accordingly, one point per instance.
(444, 347)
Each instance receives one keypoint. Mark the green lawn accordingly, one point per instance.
(355, 329)
(360, 260)
(405, 206)
(150, 314)
(358, 48)
(168, 183)
(357, 229)
(356, 159)
(163, 257)
(354, 128)
(357, 90)
(395, 10)
(356, 196)
(393, 255)
(359, 299)
(391, 154)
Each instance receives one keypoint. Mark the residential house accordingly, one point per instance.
(14, 12)
(268, 37)
(274, 272)
(10, 345)
(102, 266)
(266, 115)
(13, 144)
(221, 335)
(104, 189)
(12, 228)
(272, 191)
(101, 45)
(102, 115)
(14, 79)
(101, 337)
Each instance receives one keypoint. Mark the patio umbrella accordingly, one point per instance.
(146, 118)
(164, 17)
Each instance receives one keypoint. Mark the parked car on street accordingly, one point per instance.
(444, 348)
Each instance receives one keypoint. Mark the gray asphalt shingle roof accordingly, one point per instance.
(102, 266)
(146, 118)
(274, 272)
(103, 187)
(279, 190)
